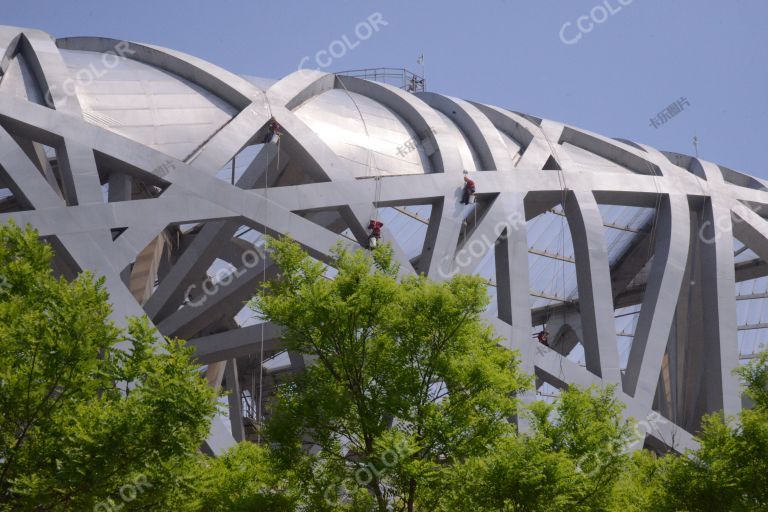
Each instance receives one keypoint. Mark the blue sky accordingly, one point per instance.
(643, 56)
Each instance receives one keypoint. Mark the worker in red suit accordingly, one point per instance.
(273, 135)
(374, 226)
(469, 190)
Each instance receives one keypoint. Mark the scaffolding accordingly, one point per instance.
(399, 77)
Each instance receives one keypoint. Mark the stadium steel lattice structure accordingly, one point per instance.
(148, 166)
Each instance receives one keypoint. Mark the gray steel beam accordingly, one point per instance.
(719, 292)
(661, 294)
(594, 284)
(235, 405)
(485, 139)
(236, 343)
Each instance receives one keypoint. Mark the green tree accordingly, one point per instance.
(570, 461)
(73, 434)
(638, 488)
(245, 480)
(408, 381)
(729, 471)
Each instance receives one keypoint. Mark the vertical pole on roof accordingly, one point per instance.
(423, 73)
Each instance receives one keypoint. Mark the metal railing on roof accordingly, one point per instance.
(399, 77)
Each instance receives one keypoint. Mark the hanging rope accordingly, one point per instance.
(656, 208)
(370, 160)
(259, 414)
(563, 198)
(259, 411)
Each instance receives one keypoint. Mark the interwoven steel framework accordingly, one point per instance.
(122, 207)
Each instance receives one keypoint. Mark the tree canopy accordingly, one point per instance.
(407, 379)
(86, 424)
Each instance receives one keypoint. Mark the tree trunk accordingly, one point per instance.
(380, 501)
(411, 494)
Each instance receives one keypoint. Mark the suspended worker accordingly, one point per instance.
(375, 228)
(273, 135)
(543, 337)
(469, 191)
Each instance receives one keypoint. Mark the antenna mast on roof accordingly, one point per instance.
(696, 145)
(420, 61)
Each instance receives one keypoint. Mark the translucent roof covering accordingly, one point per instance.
(742, 253)
(410, 223)
(626, 322)
(752, 316)
(751, 306)
(551, 261)
(335, 115)
(144, 103)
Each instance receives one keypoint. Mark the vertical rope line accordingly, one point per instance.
(563, 198)
(371, 159)
(259, 421)
(259, 412)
